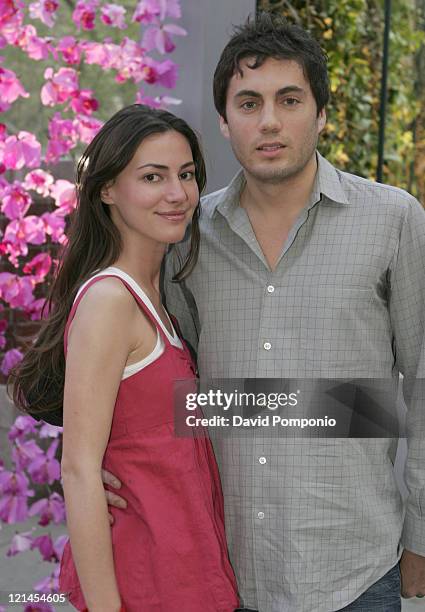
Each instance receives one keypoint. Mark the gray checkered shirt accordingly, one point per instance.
(318, 522)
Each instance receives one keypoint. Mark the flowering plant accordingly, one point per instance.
(96, 43)
(72, 122)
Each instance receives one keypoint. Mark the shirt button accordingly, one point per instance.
(267, 346)
(270, 288)
(260, 515)
(262, 460)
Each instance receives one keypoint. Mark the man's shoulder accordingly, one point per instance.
(363, 190)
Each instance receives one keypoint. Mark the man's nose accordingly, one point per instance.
(269, 119)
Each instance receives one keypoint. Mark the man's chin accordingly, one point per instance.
(272, 176)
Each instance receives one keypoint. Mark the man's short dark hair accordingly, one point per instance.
(271, 36)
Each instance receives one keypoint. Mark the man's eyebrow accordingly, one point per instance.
(247, 92)
(290, 89)
(162, 167)
(281, 92)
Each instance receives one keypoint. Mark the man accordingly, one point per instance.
(303, 272)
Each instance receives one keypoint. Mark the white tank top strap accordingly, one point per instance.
(173, 338)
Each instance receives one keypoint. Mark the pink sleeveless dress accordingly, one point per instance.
(169, 545)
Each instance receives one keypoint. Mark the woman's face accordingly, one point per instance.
(154, 197)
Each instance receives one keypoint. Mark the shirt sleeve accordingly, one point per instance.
(178, 298)
(407, 312)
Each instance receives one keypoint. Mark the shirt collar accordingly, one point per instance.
(327, 183)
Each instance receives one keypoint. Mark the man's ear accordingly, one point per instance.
(224, 128)
(105, 194)
(321, 120)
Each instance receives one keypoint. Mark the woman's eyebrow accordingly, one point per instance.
(162, 167)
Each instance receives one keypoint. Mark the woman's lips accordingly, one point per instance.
(173, 216)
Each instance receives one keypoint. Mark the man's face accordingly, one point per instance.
(272, 121)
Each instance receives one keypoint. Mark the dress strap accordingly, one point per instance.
(144, 307)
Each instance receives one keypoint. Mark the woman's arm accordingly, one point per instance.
(99, 342)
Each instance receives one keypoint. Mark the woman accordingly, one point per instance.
(138, 189)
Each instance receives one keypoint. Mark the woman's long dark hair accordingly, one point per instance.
(94, 243)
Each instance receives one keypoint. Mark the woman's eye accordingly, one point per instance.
(187, 176)
(151, 178)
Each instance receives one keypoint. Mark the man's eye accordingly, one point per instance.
(248, 105)
(291, 101)
(151, 178)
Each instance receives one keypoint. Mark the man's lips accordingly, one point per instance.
(270, 146)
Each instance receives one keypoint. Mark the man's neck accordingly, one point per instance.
(279, 200)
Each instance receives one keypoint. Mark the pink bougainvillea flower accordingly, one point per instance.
(51, 509)
(45, 469)
(11, 19)
(84, 14)
(23, 452)
(54, 225)
(39, 267)
(39, 48)
(13, 508)
(21, 150)
(60, 86)
(129, 62)
(59, 545)
(49, 431)
(40, 181)
(44, 544)
(13, 483)
(14, 498)
(21, 542)
(22, 426)
(83, 102)
(63, 137)
(36, 309)
(170, 8)
(164, 73)
(35, 47)
(113, 15)
(45, 11)
(49, 584)
(70, 50)
(21, 231)
(10, 359)
(17, 291)
(10, 89)
(15, 201)
(157, 102)
(159, 37)
(87, 128)
(10, 12)
(95, 53)
(13, 249)
(146, 11)
(64, 195)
